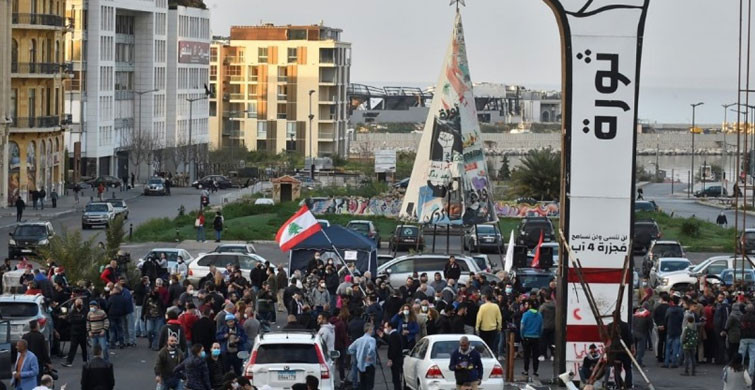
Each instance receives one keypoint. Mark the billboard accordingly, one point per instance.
(602, 44)
(190, 52)
(385, 161)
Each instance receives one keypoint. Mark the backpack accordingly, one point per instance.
(690, 339)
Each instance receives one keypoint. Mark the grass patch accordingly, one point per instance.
(694, 234)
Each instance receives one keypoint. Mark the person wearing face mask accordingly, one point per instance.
(405, 322)
(215, 366)
(232, 339)
(320, 297)
(97, 327)
(195, 369)
(395, 354)
(153, 313)
(331, 283)
(77, 318)
(168, 359)
(182, 269)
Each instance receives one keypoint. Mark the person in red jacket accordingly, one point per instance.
(162, 291)
(342, 339)
(110, 273)
(188, 318)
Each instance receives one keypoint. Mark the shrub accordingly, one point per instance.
(691, 227)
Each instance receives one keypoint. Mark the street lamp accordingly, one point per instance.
(723, 130)
(692, 171)
(191, 101)
(140, 93)
(311, 157)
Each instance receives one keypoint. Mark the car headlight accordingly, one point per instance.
(11, 242)
(664, 281)
(44, 241)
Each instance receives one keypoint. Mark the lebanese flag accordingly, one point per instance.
(536, 260)
(297, 229)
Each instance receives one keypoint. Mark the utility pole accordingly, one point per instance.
(692, 174)
(140, 93)
(192, 163)
(311, 157)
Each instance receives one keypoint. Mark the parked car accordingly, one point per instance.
(20, 309)
(711, 191)
(717, 264)
(747, 238)
(645, 232)
(200, 266)
(407, 237)
(553, 246)
(120, 206)
(426, 365)
(489, 239)
(534, 278)
(28, 238)
(323, 223)
(171, 254)
(97, 213)
(671, 273)
(206, 182)
(645, 205)
(282, 359)
(264, 202)
(155, 186)
(382, 259)
(658, 249)
(529, 231)
(399, 269)
(483, 262)
(730, 276)
(106, 180)
(247, 248)
(365, 228)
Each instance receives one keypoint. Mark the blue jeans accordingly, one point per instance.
(200, 234)
(217, 235)
(116, 330)
(130, 325)
(172, 383)
(354, 372)
(140, 329)
(673, 344)
(102, 342)
(154, 325)
(747, 348)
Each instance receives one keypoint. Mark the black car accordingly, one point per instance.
(534, 278)
(107, 181)
(407, 237)
(529, 231)
(28, 238)
(645, 205)
(712, 191)
(645, 232)
(206, 182)
(483, 237)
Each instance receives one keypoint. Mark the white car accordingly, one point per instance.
(172, 255)
(247, 248)
(264, 202)
(200, 267)
(426, 365)
(400, 268)
(282, 359)
(20, 309)
(120, 206)
(671, 273)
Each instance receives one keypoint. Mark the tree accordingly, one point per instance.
(539, 175)
(80, 258)
(114, 237)
(141, 145)
(505, 172)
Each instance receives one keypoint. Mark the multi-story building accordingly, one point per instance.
(35, 147)
(6, 12)
(268, 80)
(123, 61)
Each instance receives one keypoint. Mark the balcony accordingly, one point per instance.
(123, 123)
(47, 20)
(35, 122)
(326, 135)
(124, 66)
(36, 68)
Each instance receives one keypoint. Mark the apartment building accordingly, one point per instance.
(6, 13)
(268, 80)
(37, 70)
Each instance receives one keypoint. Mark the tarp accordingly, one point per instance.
(351, 245)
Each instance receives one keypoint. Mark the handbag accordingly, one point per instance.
(196, 223)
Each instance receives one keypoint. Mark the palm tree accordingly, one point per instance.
(538, 176)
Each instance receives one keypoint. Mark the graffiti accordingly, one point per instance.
(391, 207)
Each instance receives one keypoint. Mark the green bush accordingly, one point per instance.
(81, 258)
(691, 227)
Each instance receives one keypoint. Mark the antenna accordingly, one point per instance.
(463, 2)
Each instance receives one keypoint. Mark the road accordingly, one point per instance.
(681, 206)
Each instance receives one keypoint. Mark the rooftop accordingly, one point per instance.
(271, 32)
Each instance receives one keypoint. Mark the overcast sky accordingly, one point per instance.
(690, 47)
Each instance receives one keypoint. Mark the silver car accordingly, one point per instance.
(400, 268)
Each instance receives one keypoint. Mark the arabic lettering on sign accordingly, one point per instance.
(599, 243)
(607, 81)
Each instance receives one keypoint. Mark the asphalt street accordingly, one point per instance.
(682, 206)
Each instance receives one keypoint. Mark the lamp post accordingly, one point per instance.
(723, 130)
(311, 157)
(692, 174)
(140, 93)
(193, 169)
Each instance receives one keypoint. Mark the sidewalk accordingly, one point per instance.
(66, 205)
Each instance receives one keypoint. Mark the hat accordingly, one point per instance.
(347, 278)
(230, 317)
(94, 302)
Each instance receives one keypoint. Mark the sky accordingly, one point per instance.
(689, 52)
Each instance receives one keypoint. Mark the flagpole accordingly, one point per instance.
(343, 261)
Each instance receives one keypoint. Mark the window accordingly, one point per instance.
(282, 74)
(251, 110)
(11, 310)
(32, 102)
(293, 55)
(262, 55)
(430, 265)
(282, 92)
(282, 112)
(298, 34)
(290, 130)
(444, 349)
(403, 267)
(261, 130)
(717, 267)
(287, 353)
(254, 73)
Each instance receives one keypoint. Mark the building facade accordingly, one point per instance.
(6, 13)
(36, 145)
(268, 80)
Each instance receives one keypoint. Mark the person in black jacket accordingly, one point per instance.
(257, 275)
(173, 328)
(77, 318)
(215, 365)
(38, 346)
(395, 353)
(117, 311)
(203, 331)
(452, 269)
(97, 374)
(659, 318)
(217, 224)
(140, 291)
(457, 321)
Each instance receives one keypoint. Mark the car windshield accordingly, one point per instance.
(18, 309)
(409, 231)
(667, 250)
(155, 181)
(444, 349)
(232, 249)
(360, 227)
(674, 265)
(643, 206)
(750, 237)
(30, 231)
(480, 262)
(116, 203)
(100, 208)
(485, 229)
(537, 281)
(287, 353)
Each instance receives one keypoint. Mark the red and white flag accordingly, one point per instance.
(298, 228)
(536, 260)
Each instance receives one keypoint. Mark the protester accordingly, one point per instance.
(395, 353)
(735, 377)
(489, 321)
(466, 364)
(231, 338)
(25, 369)
(97, 327)
(38, 345)
(364, 351)
(97, 373)
(195, 369)
(530, 331)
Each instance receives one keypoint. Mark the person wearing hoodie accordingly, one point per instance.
(215, 367)
(232, 339)
(641, 324)
(341, 339)
(531, 330)
(733, 329)
(690, 339)
(173, 328)
(188, 318)
(327, 332)
(548, 341)
(320, 297)
(117, 312)
(194, 367)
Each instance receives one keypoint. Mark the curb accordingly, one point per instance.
(722, 207)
